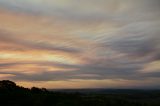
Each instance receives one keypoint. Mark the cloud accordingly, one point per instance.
(9, 38)
(69, 40)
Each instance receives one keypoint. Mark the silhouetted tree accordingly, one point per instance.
(6, 84)
(36, 90)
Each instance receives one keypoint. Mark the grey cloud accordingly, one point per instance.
(44, 63)
(94, 70)
(7, 37)
(6, 65)
(138, 37)
(103, 9)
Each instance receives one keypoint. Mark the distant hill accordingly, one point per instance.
(107, 91)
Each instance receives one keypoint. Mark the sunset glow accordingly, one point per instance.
(80, 43)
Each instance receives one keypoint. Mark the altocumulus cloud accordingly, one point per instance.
(106, 41)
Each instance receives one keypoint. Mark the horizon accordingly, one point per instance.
(80, 44)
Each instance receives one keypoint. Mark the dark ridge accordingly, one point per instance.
(14, 95)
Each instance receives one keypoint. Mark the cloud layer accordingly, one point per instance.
(80, 44)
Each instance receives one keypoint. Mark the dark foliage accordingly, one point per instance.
(13, 95)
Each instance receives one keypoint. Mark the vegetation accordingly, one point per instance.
(13, 95)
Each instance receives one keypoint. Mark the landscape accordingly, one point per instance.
(13, 95)
(79, 52)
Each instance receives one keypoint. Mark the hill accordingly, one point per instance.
(14, 95)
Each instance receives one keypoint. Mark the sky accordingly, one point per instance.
(60, 44)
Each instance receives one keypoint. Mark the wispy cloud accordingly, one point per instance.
(109, 43)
